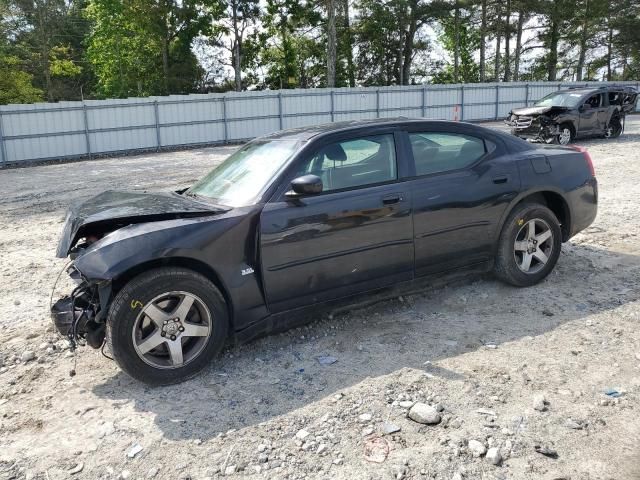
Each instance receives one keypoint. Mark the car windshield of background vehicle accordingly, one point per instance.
(241, 178)
(560, 100)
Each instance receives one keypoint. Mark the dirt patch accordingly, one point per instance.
(556, 366)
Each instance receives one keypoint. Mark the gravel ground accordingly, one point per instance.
(517, 378)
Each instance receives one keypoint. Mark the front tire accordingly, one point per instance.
(166, 325)
(566, 135)
(529, 245)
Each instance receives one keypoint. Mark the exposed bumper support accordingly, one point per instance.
(80, 316)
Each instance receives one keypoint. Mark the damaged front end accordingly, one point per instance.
(533, 128)
(81, 316)
(103, 237)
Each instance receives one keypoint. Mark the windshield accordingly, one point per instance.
(241, 178)
(560, 100)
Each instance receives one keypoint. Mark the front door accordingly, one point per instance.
(354, 236)
(462, 187)
(589, 113)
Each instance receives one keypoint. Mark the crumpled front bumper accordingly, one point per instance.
(534, 130)
(80, 316)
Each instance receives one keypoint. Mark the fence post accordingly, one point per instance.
(224, 118)
(526, 94)
(157, 117)
(462, 103)
(280, 108)
(497, 100)
(377, 103)
(424, 101)
(86, 128)
(332, 107)
(3, 147)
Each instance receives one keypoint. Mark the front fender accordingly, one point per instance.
(566, 118)
(225, 246)
(133, 245)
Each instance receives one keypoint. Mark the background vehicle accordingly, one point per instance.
(563, 116)
(306, 216)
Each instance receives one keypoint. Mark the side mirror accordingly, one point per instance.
(305, 185)
(584, 106)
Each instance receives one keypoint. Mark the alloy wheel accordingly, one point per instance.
(533, 246)
(172, 330)
(565, 136)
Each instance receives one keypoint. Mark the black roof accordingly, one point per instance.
(311, 131)
(594, 89)
(306, 132)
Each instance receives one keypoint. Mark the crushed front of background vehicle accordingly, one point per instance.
(534, 128)
(81, 316)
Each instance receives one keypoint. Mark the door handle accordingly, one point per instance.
(501, 179)
(391, 199)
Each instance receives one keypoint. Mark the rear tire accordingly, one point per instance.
(166, 325)
(614, 129)
(529, 245)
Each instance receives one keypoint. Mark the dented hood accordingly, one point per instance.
(113, 209)
(533, 111)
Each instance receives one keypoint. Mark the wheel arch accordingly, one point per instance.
(553, 200)
(195, 265)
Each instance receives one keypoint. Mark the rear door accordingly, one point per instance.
(354, 236)
(462, 186)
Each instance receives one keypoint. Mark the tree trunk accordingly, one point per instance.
(554, 38)
(347, 25)
(165, 64)
(498, 32)
(516, 59)
(507, 41)
(456, 52)
(483, 34)
(583, 42)
(237, 47)
(331, 43)
(408, 43)
(609, 52)
(44, 51)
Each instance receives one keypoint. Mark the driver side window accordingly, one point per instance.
(594, 101)
(354, 163)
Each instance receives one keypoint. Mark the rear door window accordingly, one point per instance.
(435, 152)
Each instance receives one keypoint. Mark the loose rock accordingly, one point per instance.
(134, 450)
(27, 356)
(425, 414)
(77, 469)
(494, 456)
(365, 418)
(540, 402)
(476, 448)
(389, 428)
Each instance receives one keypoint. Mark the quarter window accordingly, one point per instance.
(435, 152)
(354, 162)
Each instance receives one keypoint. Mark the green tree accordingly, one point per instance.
(143, 47)
(16, 85)
(289, 54)
(47, 36)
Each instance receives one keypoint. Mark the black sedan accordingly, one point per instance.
(306, 216)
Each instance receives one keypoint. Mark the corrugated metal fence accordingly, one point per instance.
(98, 127)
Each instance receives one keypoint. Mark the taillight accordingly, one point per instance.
(587, 158)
